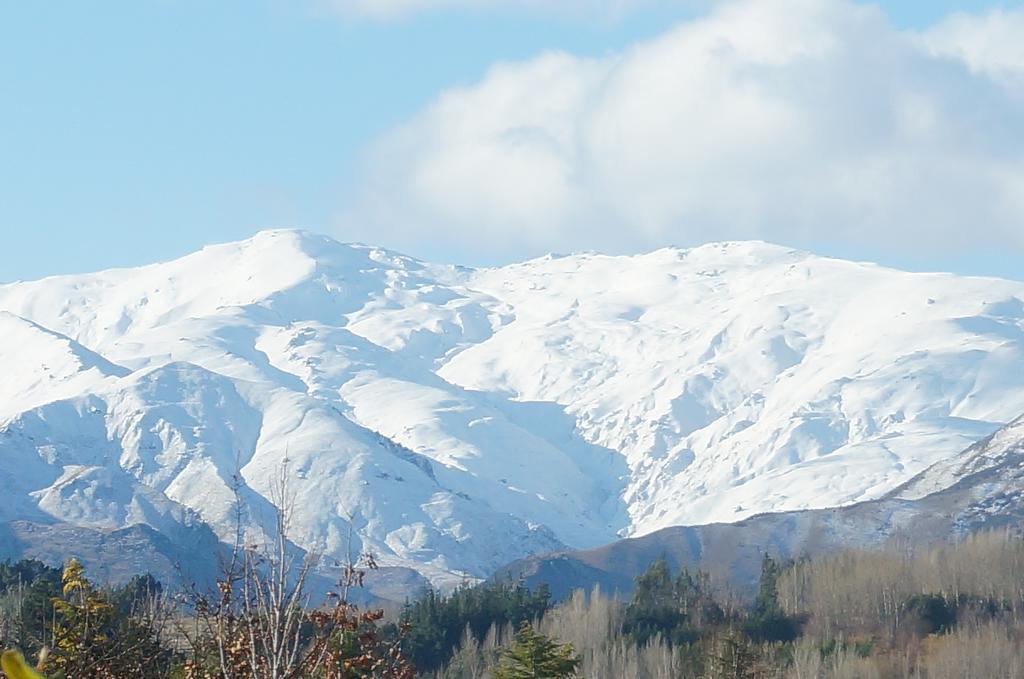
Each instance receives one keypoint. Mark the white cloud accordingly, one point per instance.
(992, 43)
(796, 121)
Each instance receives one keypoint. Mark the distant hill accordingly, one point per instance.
(980, 489)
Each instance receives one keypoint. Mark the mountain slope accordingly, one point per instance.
(742, 377)
(451, 419)
(49, 365)
(986, 493)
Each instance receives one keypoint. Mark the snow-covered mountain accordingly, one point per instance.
(453, 419)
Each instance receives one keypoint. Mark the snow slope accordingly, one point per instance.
(981, 489)
(452, 419)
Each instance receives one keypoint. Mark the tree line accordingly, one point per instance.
(950, 611)
(953, 611)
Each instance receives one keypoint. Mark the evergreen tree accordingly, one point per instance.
(137, 593)
(26, 571)
(767, 602)
(654, 588)
(26, 590)
(536, 656)
(672, 608)
(768, 621)
(437, 623)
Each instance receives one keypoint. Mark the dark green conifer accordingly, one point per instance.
(536, 656)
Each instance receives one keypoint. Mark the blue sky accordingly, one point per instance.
(143, 131)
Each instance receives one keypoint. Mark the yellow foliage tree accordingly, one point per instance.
(83, 619)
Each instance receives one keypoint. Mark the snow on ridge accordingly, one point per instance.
(987, 453)
(459, 418)
(48, 366)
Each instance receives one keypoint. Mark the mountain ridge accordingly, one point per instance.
(454, 419)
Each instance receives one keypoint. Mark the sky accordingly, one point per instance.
(487, 131)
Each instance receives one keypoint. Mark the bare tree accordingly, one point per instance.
(260, 624)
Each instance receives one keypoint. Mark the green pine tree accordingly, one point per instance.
(767, 602)
(768, 621)
(536, 656)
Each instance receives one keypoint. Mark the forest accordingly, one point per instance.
(937, 613)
